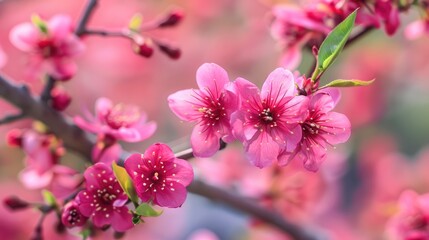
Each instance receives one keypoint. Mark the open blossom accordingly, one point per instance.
(120, 122)
(268, 121)
(293, 28)
(210, 106)
(71, 216)
(52, 45)
(321, 128)
(104, 200)
(411, 222)
(159, 176)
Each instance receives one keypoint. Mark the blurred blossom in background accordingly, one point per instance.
(358, 187)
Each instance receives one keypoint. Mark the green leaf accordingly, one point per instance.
(85, 233)
(39, 23)
(135, 22)
(49, 198)
(125, 182)
(334, 42)
(347, 83)
(147, 210)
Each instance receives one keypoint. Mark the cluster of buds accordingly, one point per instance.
(144, 45)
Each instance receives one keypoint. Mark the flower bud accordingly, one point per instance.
(60, 99)
(143, 47)
(14, 203)
(14, 138)
(172, 52)
(172, 19)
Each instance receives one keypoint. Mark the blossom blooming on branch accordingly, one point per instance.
(71, 216)
(320, 128)
(159, 176)
(52, 45)
(120, 122)
(104, 200)
(411, 222)
(211, 107)
(267, 122)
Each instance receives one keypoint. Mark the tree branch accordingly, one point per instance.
(81, 26)
(73, 137)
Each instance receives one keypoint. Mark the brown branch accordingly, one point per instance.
(89, 9)
(73, 137)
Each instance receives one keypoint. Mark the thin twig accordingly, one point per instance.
(105, 33)
(46, 93)
(89, 9)
(12, 118)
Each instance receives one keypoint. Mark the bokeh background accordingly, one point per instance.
(387, 153)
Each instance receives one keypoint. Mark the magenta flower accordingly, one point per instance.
(52, 44)
(71, 216)
(159, 176)
(268, 121)
(210, 107)
(120, 122)
(104, 200)
(320, 129)
(411, 222)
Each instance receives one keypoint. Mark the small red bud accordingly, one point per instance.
(143, 47)
(172, 19)
(315, 51)
(14, 138)
(60, 99)
(172, 52)
(14, 203)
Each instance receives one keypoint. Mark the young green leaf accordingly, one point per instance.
(135, 22)
(49, 198)
(39, 23)
(125, 182)
(334, 42)
(347, 83)
(147, 210)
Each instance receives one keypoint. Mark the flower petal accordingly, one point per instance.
(337, 126)
(159, 151)
(25, 37)
(60, 26)
(122, 219)
(185, 104)
(262, 151)
(279, 83)
(173, 196)
(183, 172)
(211, 78)
(204, 142)
(103, 106)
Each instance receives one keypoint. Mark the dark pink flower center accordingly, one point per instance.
(47, 48)
(74, 217)
(122, 116)
(212, 108)
(417, 221)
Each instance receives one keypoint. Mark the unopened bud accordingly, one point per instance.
(172, 19)
(172, 52)
(60, 99)
(315, 51)
(14, 203)
(143, 47)
(14, 138)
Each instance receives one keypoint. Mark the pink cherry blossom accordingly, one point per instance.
(52, 49)
(71, 216)
(210, 107)
(268, 121)
(411, 222)
(159, 176)
(60, 180)
(320, 128)
(416, 29)
(104, 200)
(120, 122)
(293, 28)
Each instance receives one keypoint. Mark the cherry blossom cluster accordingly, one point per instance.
(284, 120)
(295, 27)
